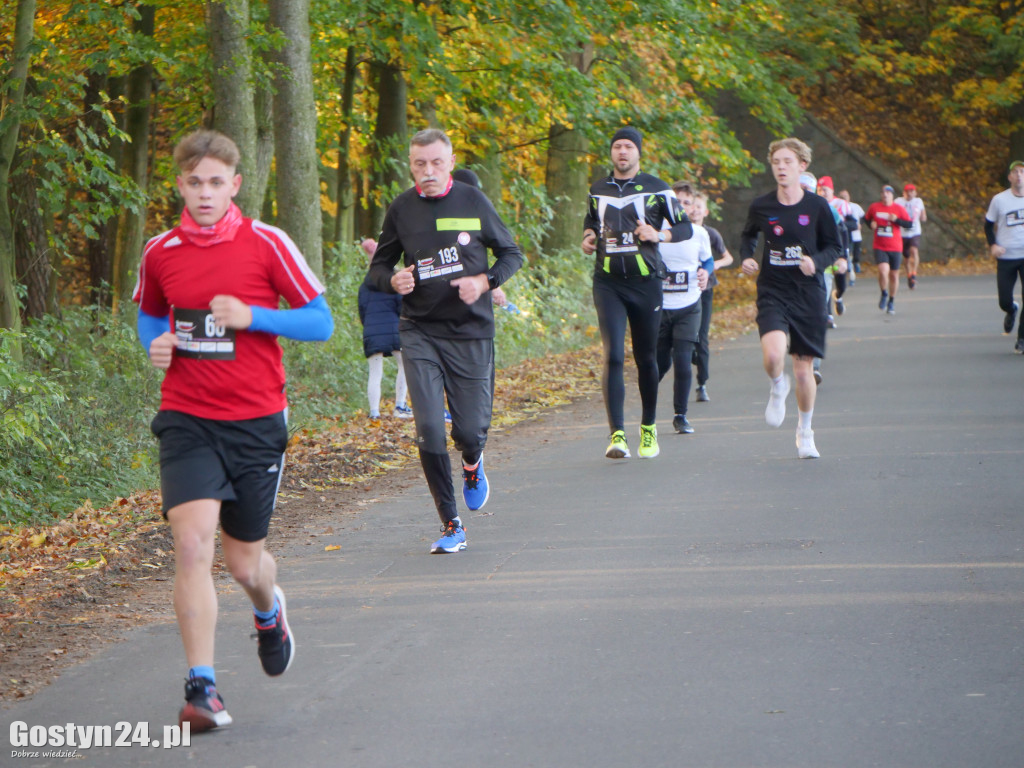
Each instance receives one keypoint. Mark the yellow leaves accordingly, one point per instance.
(83, 563)
(332, 548)
(38, 540)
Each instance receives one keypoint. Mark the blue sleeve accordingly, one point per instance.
(709, 265)
(149, 327)
(312, 322)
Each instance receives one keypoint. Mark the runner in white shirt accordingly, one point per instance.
(1004, 231)
(687, 266)
(914, 205)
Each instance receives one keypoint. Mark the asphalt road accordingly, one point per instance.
(725, 604)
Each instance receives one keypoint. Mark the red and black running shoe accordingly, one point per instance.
(204, 708)
(276, 646)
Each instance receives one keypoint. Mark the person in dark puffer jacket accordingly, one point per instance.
(378, 312)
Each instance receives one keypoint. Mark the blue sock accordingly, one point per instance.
(266, 617)
(201, 671)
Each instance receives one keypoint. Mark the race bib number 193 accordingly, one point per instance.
(200, 338)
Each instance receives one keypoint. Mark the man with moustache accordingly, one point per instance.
(441, 230)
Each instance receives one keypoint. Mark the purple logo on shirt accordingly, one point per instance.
(804, 219)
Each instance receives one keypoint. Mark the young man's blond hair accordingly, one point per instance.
(204, 143)
(801, 150)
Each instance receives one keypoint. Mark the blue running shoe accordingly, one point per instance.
(447, 417)
(475, 489)
(453, 539)
(402, 412)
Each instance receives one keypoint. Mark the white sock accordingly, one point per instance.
(401, 388)
(777, 382)
(375, 364)
(804, 421)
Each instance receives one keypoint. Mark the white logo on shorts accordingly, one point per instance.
(274, 468)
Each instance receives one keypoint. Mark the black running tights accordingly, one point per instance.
(637, 301)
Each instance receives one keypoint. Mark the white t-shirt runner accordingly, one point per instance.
(915, 208)
(1006, 211)
(858, 213)
(681, 262)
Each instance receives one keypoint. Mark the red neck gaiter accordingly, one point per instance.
(221, 232)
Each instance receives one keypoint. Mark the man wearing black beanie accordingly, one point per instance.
(628, 215)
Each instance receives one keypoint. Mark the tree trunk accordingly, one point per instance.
(343, 220)
(390, 137)
(10, 314)
(566, 178)
(100, 249)
(234, 112)
(131, 231)
(295, 124)
(361, 221)
(31, 243)
(567, 174)
(259, 178)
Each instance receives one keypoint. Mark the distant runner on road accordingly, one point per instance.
(914, 205)
(723, 259)
(687, 267)
(886, 218)
(1004, 231)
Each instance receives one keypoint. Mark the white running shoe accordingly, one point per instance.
(805, 444)
(775, 413)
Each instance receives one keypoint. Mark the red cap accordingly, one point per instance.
(909, 186)
(826, 181)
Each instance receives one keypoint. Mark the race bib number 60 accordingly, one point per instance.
(200, 338)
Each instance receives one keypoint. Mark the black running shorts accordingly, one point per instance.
(801, 315)
(910, 242)
(238, 462)
(893, 258)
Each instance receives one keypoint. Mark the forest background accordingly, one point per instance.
(321, 97)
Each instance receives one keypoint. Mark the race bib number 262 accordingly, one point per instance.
(788, 257)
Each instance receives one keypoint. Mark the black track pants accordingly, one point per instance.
(462, 369)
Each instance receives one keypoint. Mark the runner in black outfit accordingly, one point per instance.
(801, 239)
(622, 228)
(441, 230)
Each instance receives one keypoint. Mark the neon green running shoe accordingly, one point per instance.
(648, 441)
(617, 448)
